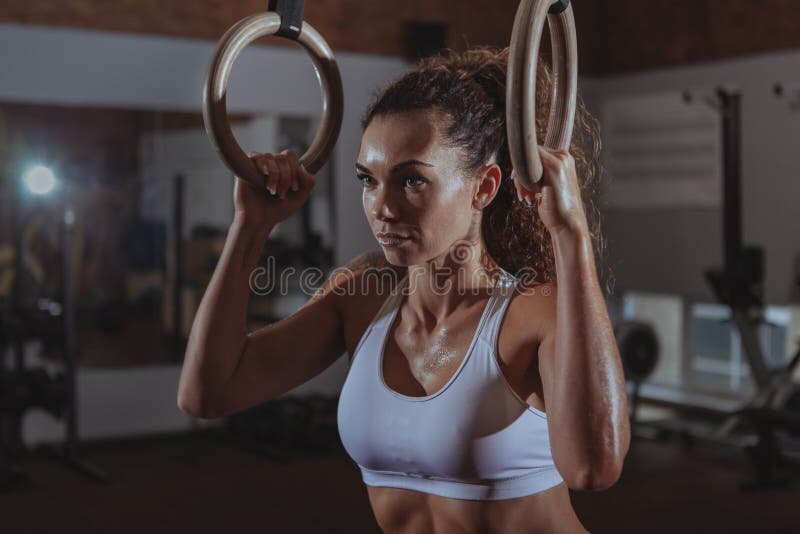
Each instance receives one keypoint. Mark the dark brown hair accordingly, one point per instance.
(469, 89)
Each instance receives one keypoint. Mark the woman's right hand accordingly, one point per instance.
(287, 185)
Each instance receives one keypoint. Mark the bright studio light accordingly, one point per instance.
(39, 180)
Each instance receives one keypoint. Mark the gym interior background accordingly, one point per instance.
(106, 248)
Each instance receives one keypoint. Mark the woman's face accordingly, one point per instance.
(413, 187)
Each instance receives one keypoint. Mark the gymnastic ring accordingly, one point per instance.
(215, 114)
(521, 84)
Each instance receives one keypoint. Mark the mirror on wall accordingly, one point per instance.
(150, 204)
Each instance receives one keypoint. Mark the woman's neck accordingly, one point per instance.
(440, 286)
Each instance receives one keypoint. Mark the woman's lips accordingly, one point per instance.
(391, 240)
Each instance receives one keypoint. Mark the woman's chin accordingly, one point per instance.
(398, 257)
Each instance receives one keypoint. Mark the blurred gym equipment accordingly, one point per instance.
(289, 427)
(639, 350)
(738, 284)
(23, 388)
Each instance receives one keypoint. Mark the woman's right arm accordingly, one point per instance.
(219, 346)
(219, 330)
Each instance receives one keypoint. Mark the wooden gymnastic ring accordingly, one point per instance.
(215, 114)
(521, 84)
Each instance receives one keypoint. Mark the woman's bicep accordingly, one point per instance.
(285, 354)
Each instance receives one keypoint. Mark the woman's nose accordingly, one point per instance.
(384, 206)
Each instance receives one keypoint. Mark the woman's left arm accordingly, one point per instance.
(584, 386)
(579, 363)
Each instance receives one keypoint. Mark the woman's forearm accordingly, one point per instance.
(589, 403)
(219, 330)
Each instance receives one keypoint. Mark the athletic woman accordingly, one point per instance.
(484, 379)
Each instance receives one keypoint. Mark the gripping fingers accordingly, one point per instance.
(286, 175)
(294, 164)
(282, 171)
(273, 173)
(261, 162)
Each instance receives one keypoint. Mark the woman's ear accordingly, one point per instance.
(488, 184)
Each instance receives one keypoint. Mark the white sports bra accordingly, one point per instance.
(475, 438)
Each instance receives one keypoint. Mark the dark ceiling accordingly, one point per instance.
(614, 36)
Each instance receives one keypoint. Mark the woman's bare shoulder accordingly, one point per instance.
(365, 279)
(362, 286)
(532, 310)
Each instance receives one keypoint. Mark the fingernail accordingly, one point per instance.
(271, 190)
(295, 187)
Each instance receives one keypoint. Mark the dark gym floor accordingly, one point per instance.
(208, 482)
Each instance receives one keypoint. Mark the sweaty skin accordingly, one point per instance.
(413, 186)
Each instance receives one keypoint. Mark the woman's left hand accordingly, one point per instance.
(557, 195)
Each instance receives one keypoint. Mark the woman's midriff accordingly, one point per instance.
(403, 511)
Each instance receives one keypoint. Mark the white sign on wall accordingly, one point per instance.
(661, 151)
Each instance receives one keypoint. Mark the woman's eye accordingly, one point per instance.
(409, 181)
(415, 180)
(363, 178)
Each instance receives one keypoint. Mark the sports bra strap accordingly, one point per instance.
(502, 297)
